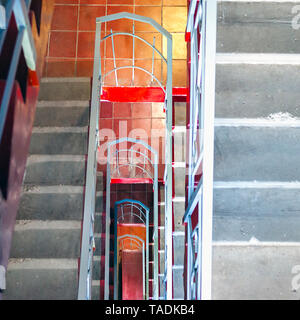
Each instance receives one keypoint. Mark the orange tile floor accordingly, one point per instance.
(71, 39)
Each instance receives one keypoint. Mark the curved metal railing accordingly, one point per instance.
(135, 242)
(154, 179)
(89, 207)
(136, 209)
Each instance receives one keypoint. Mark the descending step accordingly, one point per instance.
(59, 140)
(62, 89)
(255, 152)
(50, 170)
(267, 211)
(62, 113)
(255, 90)
(262, 271)
(257, 26)
(42, 279)
(46, 239)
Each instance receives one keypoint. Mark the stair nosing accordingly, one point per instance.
(65, 79)
(257, 122)
(53, 129)
(38, 158)
(22, 225)
(59, 189)
(258, 58)
(51, 263)
(63, 103)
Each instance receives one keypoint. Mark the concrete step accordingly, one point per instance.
(179, 246)
(265, 211)
(66, 203)
(179, 209)
(55, 170)
(100, 243)
(99, 268)
(42, 279)
(179, 134)
(256, 151)
(61, 89)
(95, 290)
(180, 113)
(178, 282)
(263, 271)
(62, 114)
(256, 90)
(179, 176)
(58, 140)
(257, 27)
(99, 223)
(46, 239)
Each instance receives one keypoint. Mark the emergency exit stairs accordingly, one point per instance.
(256, 187)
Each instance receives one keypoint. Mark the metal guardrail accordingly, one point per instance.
(132, 210)
(89, 207)
(18, 8)
(201, 21)
(154, 179)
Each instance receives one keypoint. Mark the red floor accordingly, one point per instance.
(132, 275)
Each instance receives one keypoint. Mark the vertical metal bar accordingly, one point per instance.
(116, 264)
(155, 222)
(152, 71)
(147, 255)
(191, 121)
(208, 157)
(189, 264)
(90, 193)
(169, 182)
(144, 271)
(133, 43)
(107, 227)
(113, 50)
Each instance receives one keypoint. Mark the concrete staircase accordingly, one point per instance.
(46, 241)
(256, 189)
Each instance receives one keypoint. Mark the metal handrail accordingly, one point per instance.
(89, 207)
(201, 20)
(24, 41)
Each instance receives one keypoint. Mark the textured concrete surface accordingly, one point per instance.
(257, 153)
(179, 175)
(257, 27)
(252, 91)
(178, 242)
(254, 272)
(41, 279)
(54, 142)
(62, 114)
(178, 283)
(46, 239)
(59, 89)
(54, 170)
(179, 209)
